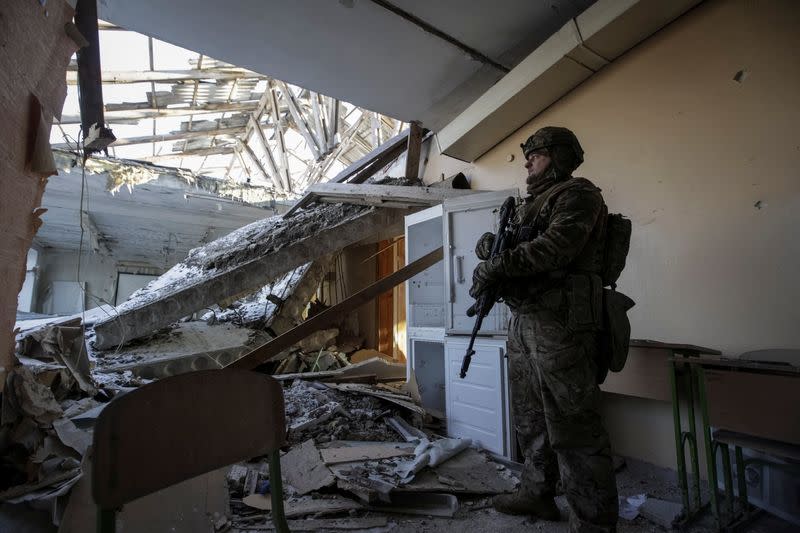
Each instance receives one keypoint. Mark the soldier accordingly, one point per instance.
(550, 280)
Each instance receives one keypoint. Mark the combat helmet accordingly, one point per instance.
(562, 144)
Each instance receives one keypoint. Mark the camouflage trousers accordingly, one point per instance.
(555, 404)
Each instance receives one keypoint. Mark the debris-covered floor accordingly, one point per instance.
(362, 453)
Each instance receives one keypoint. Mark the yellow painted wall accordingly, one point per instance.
(708, 170)
(686, 153)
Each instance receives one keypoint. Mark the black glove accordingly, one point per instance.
(484, 277)
(484, 247)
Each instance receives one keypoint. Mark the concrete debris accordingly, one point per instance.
(429, 453)
(304, 469)
(185, 347)
(314, 410)
(629, 506)
(240, 263)
(130, 173)
(65, 345)
(41, 450)
(662, 512)
(469, 472)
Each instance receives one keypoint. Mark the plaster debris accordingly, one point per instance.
(662, 512)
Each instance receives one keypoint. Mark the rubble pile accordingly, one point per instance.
(358, 439)
(316, 411)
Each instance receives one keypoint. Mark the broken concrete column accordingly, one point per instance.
(230, 266)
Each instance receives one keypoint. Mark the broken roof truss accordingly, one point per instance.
(236, 124)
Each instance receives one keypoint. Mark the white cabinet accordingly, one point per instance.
(477, 406)
(425, 291)
(465, 219)
(438, 329)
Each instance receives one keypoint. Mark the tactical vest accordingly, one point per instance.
(603, 257)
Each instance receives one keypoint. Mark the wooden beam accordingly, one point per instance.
(125, 113)
(279, 134)
(368, 194)
(168, 76)
(176, 136)
(274, 176)
(202, 152)
(413, 150)
(334, 314)
(333, 122)
(299, 119)
(254, 158)
(362, 169)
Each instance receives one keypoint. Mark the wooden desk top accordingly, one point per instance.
(740, 364)
(686, 348)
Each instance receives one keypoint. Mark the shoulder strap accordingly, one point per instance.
(544, 198)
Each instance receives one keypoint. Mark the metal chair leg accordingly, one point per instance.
(106, 520)
(276, 492)
(740, 478)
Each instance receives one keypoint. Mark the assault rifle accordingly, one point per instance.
(503, 241)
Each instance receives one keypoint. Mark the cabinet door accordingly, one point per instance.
(425, 292)
(466, 219)
(477, 406)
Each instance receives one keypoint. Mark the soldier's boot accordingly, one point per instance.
(521, 503)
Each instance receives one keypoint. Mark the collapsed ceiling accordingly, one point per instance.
(191, 111)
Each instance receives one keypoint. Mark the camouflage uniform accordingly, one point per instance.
(552, 286)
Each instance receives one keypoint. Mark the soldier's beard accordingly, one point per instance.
(541, 181)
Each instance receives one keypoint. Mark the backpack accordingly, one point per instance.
(615, 333)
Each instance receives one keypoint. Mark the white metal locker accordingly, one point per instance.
(465, 219)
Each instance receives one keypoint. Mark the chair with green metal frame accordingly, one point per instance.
(184, 426)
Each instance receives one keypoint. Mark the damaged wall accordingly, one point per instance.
(706, 167)
(34, 52)
(359, 265)
(99, 272)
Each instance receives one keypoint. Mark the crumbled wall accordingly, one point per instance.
(34, 53)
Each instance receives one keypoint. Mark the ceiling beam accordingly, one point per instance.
(168, 76)
(175, 136)
(129, 116)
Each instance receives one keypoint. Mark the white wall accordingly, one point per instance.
(98, 272)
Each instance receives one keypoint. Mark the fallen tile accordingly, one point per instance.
(662, 512)
(382, 450)
(302, 468)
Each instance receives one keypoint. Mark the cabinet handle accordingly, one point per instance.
(460, 268)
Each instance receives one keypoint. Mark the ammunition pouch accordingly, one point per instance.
(584, 302)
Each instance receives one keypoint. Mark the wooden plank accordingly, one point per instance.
(368, 452)
(168, 76)
(764, 405)
(413, 151)
(690, 349)
(176, 136)
(362, 169)
(385, 266)
(334, 314)
(380, 194)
